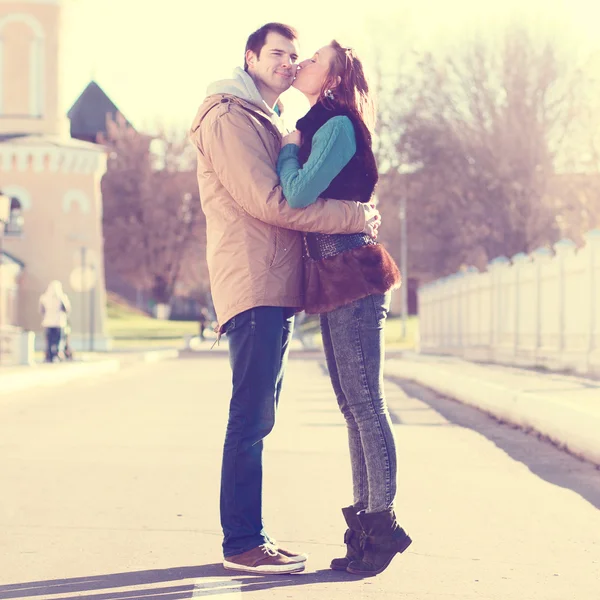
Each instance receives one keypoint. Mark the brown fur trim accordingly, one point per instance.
(333, 282)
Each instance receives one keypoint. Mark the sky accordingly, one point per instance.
(155, 59)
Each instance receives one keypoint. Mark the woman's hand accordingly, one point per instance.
(292, 138)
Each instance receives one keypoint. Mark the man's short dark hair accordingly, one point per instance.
(257, 40)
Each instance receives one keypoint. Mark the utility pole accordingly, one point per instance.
(92, 307)
(5, 205)
(83, 287)
(403, 265)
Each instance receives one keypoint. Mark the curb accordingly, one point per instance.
(48, 375)
(158, 355)
(149, 356)
(32, 377)
(566, 424)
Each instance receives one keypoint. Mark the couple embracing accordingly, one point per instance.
(290, 227)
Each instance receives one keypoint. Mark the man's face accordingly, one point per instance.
(275, 67)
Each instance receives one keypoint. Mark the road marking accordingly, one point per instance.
(208, 587)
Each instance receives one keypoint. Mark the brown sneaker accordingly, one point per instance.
(297, 557)
(263, 559)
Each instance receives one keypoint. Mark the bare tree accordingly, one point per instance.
(487, 127)
(153, 225)
(392, 63)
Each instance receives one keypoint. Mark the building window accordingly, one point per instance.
(27, 97)
(14, 227)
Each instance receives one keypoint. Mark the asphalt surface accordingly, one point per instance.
(109, 490)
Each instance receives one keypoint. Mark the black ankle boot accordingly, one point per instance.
(382, 540)
(351, 539)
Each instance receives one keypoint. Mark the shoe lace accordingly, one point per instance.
(268, 549)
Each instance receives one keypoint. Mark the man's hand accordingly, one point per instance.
(372, 220)
(292, 138)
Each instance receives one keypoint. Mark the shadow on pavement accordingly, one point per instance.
(205, 584)
(543, 458)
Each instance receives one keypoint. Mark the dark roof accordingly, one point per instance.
(88, 114)
(7, 137)
(11, 258)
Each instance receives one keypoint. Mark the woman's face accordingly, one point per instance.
(311, 73)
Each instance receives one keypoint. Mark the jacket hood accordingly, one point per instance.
(54, 289)
(240, 86)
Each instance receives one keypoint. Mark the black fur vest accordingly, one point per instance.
(357, 180)
(342, 268)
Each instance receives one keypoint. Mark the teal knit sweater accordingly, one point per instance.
(333, 145)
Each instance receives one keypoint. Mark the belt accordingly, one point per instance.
(323, 245)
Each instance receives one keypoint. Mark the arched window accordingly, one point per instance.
(14, 227)
(78, 198)
(27, 97)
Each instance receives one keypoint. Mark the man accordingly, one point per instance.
(254, 254)
(203, 322)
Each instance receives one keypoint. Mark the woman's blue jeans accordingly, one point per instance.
(354, 349)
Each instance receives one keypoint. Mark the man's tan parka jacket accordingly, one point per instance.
(254, 244)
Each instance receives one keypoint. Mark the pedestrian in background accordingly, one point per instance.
(54, 307)
(203, 322)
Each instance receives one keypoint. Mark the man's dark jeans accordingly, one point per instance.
(259, 341)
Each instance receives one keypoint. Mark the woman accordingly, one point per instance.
(54, 306)
(348, 281)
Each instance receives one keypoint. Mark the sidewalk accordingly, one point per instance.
(564, 408)
(210, 346)
(115, 495)
(19, 378)
(88, 364)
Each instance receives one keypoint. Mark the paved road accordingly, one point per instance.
(109, 490)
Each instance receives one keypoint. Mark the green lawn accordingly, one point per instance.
(130, 328)
(393, 332)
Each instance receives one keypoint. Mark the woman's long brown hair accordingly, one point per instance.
(352, 92)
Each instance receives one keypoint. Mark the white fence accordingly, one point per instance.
(541, 309)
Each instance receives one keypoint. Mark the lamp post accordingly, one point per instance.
(83, 281)
(403, 265)
(5, 203)
(405, 171)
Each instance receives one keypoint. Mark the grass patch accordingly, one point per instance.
(393, 332)
(130, 328)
